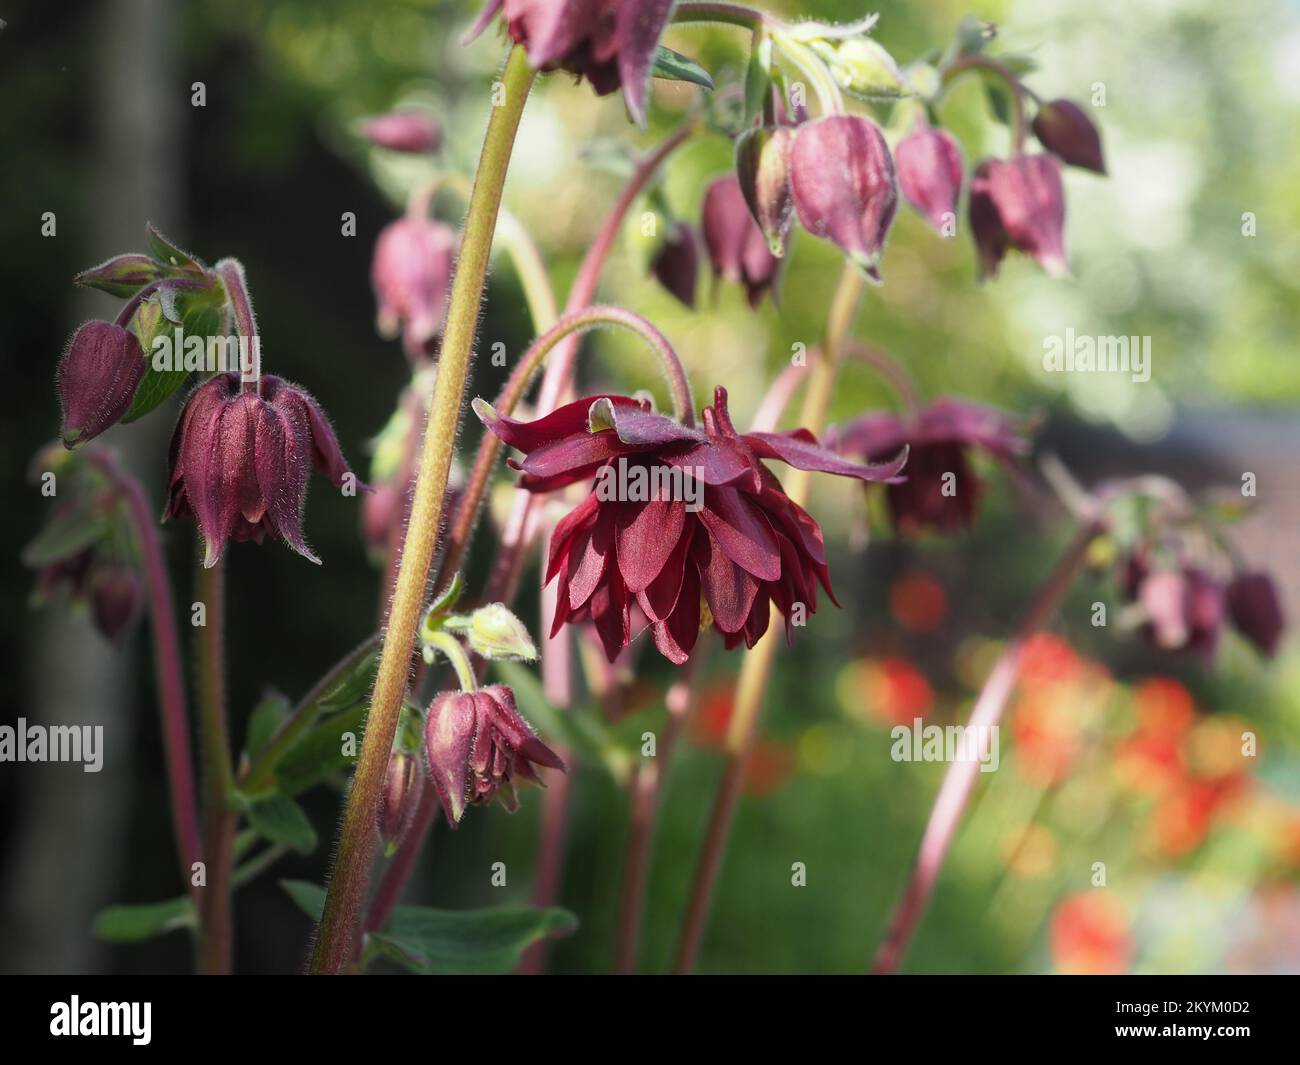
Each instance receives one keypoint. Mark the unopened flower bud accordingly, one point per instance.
(864, 68)
(1063, 128)
(98, 376)
(116, 599)
(403, 785)
(842, 177)
(1256, 610)
(930, 174)
(495, 632)
(403, 131)
(676, 264)
(763, 168)
(123, 275)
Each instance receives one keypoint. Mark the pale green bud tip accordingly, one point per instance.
(494, 632)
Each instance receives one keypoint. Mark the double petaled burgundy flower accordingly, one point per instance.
(714, 526)
(476, 744)
(240, 461)
(1019, 203)
(609, 42)
(940, 490)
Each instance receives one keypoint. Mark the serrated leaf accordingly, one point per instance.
(134, 923)
(65, 536)
(265, 721)
(673, 66)
(477, 942)
(281, 820)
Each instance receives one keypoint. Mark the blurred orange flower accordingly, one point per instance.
(918, 602)
(1090, 935)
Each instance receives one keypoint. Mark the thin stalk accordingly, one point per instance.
(393, 883)
(728, 14)
(336, 934)
(757, 665)
(231, 273)
(647, 790)
(218, 778)
(959, 779)
(971, 61)
(168, 674)
(891, 371)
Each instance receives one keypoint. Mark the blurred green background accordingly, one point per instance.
(1111, 753)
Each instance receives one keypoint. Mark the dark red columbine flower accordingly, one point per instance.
(240, 461)
(403, 131)
(411, 275)
(737, 248)
(476, 744)
(1063, 128)
(708, 519)
(1183, 606)
(939, 489)
(676, 264)
(842, 180)
(1256, 610)
(1019, 203)
(930, 173)
(97, 379)
(609, 42)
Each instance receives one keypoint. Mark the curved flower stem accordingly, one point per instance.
(345, 897)
(455, 654)
(729, 14)
(757, 665)
(168, 674)
(647, 790)
(231, 273)
(517, 385)
(218, 779)
(777, 398)
(971, 61)
(959, 779)
(891, 370)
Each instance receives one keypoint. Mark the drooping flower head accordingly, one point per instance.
(1063, 128)
(403, 131)
(240, 461)
(1256, 610)
(609, 42)
(411, 275)
(940, 489)
(738, 250)
(477, 744)
(685, 524)
(676, 263)
(930, 173)
(1019, 203)
(98, 376)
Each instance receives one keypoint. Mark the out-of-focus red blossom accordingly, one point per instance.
(918, 602)
(1019, 203)
(843, 185)
(930, 173)
(1090, 935)
(403, 131)
(1063, 128)
(712, 715)
(747, 544)
(116, 599)
(676, 264)
(476, 744)
(97, 378)
(940, 437)
(240, 461)
(737, 249)
(411, 275)
(771, 763)
(1151, 759)
(1165, 708)
(609, 42)
(381, 510)
(1256, 610)
(895, 691)
(1046, 660)
(1185, 814)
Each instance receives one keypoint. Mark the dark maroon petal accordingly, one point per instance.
(877, 433)
(950, 419)
(565, 530)
(740, 528)
(1030, 202)
(929, 167)
(569, 459)
(797, 523)
(760, 615)
(676, 636)
(326, 455)
(676, 264)
(799, 453)
(648, 535)
(637, 30)
(729, 590)
(589, 557)
(571, 419)
(718, 462)
(660, 596)
(1256, 610)
(991, 240)
(641, 428)
(282, 474)
(611, 613)
(449, 735)
(522, 737)
(550, 29)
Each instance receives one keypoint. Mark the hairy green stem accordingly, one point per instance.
(336, 935)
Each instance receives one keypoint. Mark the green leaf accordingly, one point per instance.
(319, 754)
(353, 686)
(65, 536)
(999, 101)
(199, 317)
(309, 897)
(165, 251)
(281, 820)
(265, 721)
(477, 942)
(673, 66)
(131, 924)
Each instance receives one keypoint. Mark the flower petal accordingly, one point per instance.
(729, 590)
(741, 530)
(648, 535)
(803, 453)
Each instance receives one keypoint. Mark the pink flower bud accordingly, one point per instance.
(476, 744)
(403, 131)
(1256, 610)
(763, 168)
(98, 376)
(676, 264)
(1063, 128)
(737, 248)
(930, 174)
(1019, 203)
(411, 275)
(403, 785)
(240, 461)
(842, 178)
